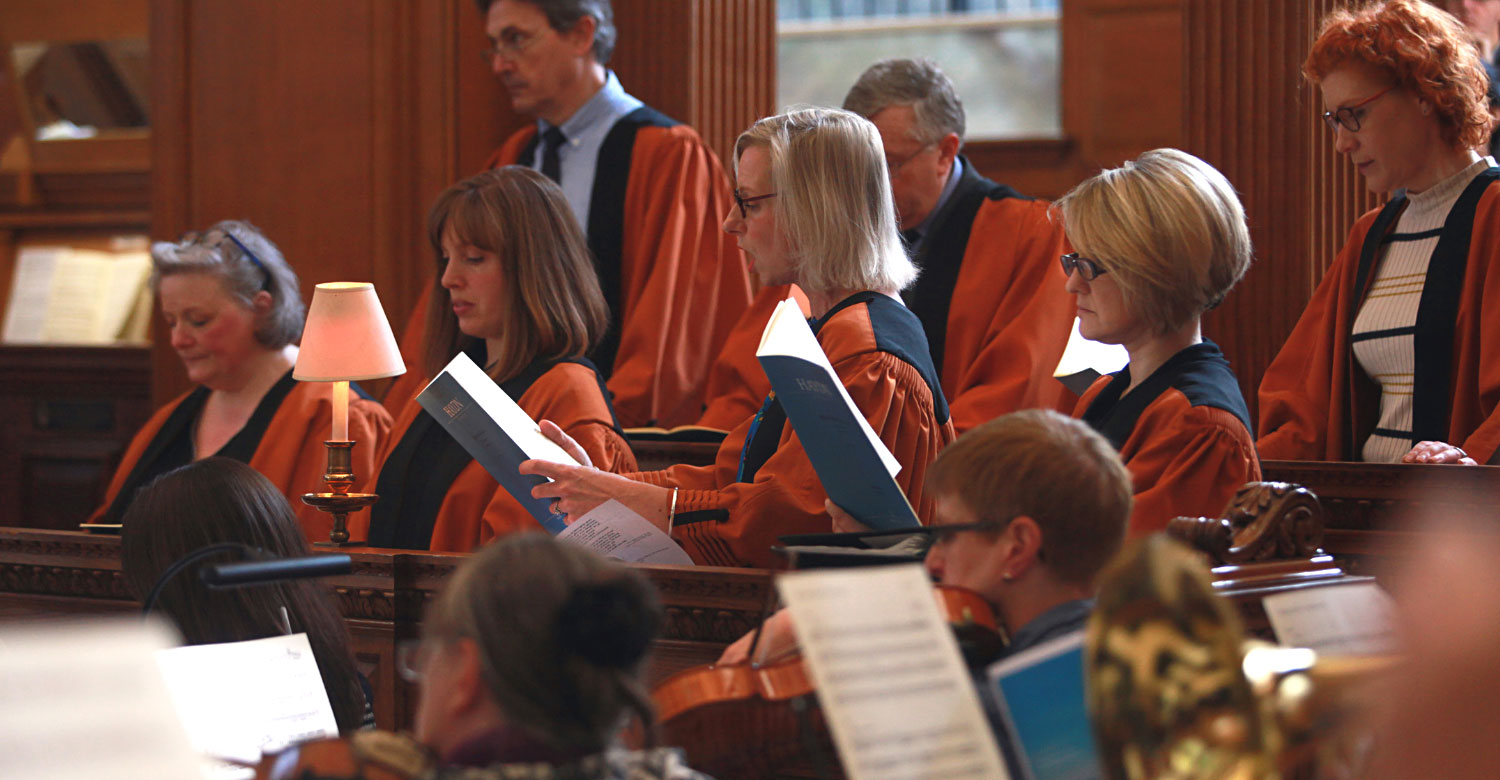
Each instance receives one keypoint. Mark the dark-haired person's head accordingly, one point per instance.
(1047, 501)
(539, 636)
(1404, 90)
(514, 270)
(218, 500)
(548, 54)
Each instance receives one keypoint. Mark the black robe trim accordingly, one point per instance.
(897, 332)
(172, 447)
(1200, 372)
(941, 255)
(415, 478)
(1432, 344)
(606, 227)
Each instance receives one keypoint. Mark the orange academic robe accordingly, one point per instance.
(674, 281)
(475, 508)
(737, 385)
(990, 298)
(1183, 434)
(726, 522)
(290, 453)
(1315, 401)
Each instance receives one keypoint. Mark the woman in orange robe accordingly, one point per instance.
(813, 209)
(515, 290)
(1160, 241)
(234, 311)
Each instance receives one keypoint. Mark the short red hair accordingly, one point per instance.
(1421, 49)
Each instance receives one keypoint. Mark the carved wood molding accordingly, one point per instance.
(1265, 521)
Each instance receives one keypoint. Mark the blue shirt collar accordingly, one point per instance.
(606, 106)
(948, 187)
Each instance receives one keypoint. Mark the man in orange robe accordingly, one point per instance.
(989, 295)
(648, 192)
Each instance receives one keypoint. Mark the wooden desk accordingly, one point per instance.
(69, 573)
(1373, 512)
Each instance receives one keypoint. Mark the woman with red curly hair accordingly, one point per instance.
(1388, 362)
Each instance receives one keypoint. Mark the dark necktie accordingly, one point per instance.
(551, 167)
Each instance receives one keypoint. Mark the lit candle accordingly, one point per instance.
(341, 411)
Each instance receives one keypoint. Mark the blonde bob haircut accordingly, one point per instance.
(554, 307)
(833, 199)
(1169, 229)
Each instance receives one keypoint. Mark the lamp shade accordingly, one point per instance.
(347, 336)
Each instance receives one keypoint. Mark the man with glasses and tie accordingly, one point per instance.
(646, 190)
(988, 294)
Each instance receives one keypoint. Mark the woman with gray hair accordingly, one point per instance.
(812, 208)
(1161, 240)
(235, 313)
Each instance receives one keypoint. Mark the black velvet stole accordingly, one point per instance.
(1199, 371)
(1432, 392)
(941, 255)
(606, 220)
(172, 447)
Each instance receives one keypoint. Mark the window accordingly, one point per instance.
(1003, 55)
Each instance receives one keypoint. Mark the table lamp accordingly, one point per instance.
(346, 338)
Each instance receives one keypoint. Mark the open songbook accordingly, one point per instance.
(62, 295)
(854, 465)
(500, 435)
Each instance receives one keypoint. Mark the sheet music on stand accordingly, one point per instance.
(81, 701)
(893, 687)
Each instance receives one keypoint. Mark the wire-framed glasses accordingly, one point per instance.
(1349, 117)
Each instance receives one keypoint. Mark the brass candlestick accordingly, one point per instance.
(340, 502)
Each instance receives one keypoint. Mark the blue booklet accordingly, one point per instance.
(854, 465)
(493, 429)
(1044, 706)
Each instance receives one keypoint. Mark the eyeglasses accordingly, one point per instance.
(942, 534)
(741, 201)
(509, 46)
(894, 168)
(214, 238)
(1088, 269)
(1348, 116)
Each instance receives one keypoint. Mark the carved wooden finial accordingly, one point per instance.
(1266, 521)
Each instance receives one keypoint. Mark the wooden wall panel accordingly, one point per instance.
(1250, 114)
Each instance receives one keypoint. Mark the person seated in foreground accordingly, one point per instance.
(514, 288)
(528, 666)
(1390, 362)
(1160, 241)
(1030, 506)
(814, 209)
(995, 319)
(234, 313)
(218, 500)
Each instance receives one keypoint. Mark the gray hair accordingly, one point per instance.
(918, 83)
(563, 14)
(833, 198)
(240, 274)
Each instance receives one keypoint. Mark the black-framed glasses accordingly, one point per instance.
(942, 534)
(741, 201)
(214, 238)
(510, 45)
(1349, 116)
(1088, 269)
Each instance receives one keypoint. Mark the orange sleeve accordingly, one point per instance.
(737, 385)
(684, 281)
(133, 454)
(1477, 351)
(1190, 464)
(1010, 317)
(786, 496)
(1304, 393)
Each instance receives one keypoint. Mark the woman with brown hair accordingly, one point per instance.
(517, 292)
(219, 500)
(1394, 359)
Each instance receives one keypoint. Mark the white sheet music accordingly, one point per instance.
(83, 701)
(1342, 620)
(613, 530)
(74, 296)
(240, 699)
(896, 694)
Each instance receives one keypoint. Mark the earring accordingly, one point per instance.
(1426, 109)
(1007, 577)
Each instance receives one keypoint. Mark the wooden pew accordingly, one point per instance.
(46, 574)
